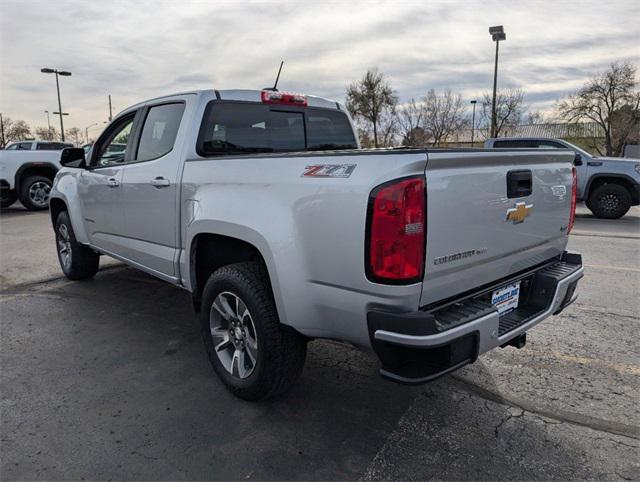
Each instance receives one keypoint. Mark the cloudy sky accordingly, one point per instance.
(140, 49)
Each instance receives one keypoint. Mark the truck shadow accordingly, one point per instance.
(117, 374)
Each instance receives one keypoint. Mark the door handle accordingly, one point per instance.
(112, 182)
(160, 182)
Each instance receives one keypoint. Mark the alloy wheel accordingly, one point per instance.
(39, 193)
(64, 245)
(234, 335)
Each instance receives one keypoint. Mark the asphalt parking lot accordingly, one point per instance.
(107, 379)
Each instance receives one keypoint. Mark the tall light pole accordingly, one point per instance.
(64, 73)
(110, 112)
(473, 120)
(497, 34)
(48, 121)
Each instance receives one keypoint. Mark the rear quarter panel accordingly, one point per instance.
(310, 231)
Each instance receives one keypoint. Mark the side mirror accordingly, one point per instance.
(577, 161)
(73, 157)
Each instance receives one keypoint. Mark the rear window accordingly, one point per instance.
(235, 128)
(516, 143)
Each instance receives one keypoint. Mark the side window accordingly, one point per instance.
(159, 131)
(12, 147)
(113, 148)
(24, 146)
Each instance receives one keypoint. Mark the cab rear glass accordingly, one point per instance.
(237, 128)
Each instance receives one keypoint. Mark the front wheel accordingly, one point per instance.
(76, 260)
(254, 355)
(609, 201)
(34, 192)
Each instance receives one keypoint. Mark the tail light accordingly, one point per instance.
(574, 193)
(396, 232)
(285, 98)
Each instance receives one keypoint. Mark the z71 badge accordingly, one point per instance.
(329, 170)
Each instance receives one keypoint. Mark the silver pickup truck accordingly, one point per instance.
(262, 205)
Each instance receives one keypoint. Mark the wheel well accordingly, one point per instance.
(621, 181)
(56, 206)
(46, 171)
(212, 251)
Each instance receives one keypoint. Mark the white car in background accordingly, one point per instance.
(27, 169)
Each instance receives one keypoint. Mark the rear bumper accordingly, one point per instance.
(420, 346)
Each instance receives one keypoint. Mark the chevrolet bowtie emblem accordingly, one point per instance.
(519, 213)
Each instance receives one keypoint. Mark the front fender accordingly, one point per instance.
(65, 188)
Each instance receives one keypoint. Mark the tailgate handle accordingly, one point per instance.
(519, 183)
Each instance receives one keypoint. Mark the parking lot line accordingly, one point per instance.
(583, 360)
(618, 268)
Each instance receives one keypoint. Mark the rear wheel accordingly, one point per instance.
(34, 192)
(8, 198)
(609, 201)
(254, 355)
(76, 260)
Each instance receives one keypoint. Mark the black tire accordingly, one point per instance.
(83, 262)
(609, 201)
(8, 198)
(281, 352)
(34, 192)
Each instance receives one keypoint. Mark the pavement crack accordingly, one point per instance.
(506, 419)
(600, 425)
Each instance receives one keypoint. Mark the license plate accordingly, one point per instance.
(505, 299)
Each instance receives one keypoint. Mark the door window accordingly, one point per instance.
(113, 148)
(159, 131)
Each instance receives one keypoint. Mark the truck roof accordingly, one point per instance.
(244, 95)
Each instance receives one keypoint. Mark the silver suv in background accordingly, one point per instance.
(608, 185)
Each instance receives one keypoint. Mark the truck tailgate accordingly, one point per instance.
(483, 224)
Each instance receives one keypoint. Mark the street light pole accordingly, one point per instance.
(86, 131)
(64, 73)
(497, 34)
(48, 121)
(473, 120)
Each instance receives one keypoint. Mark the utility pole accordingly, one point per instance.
(473, 120)
(48, 121)
(1, 131)
(497, 34)
(110, 112)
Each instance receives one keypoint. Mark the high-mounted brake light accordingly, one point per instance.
(286, 98)
(396, 232)
(574, 194)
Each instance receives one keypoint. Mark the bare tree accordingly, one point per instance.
(410, 121)
(535, 117)
(47, 133)
(509, 109)
(15, 130)
(612, 100)
(75, 136)
(443, 115)
(372, 99)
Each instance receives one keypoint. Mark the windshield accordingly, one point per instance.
(582, 152)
